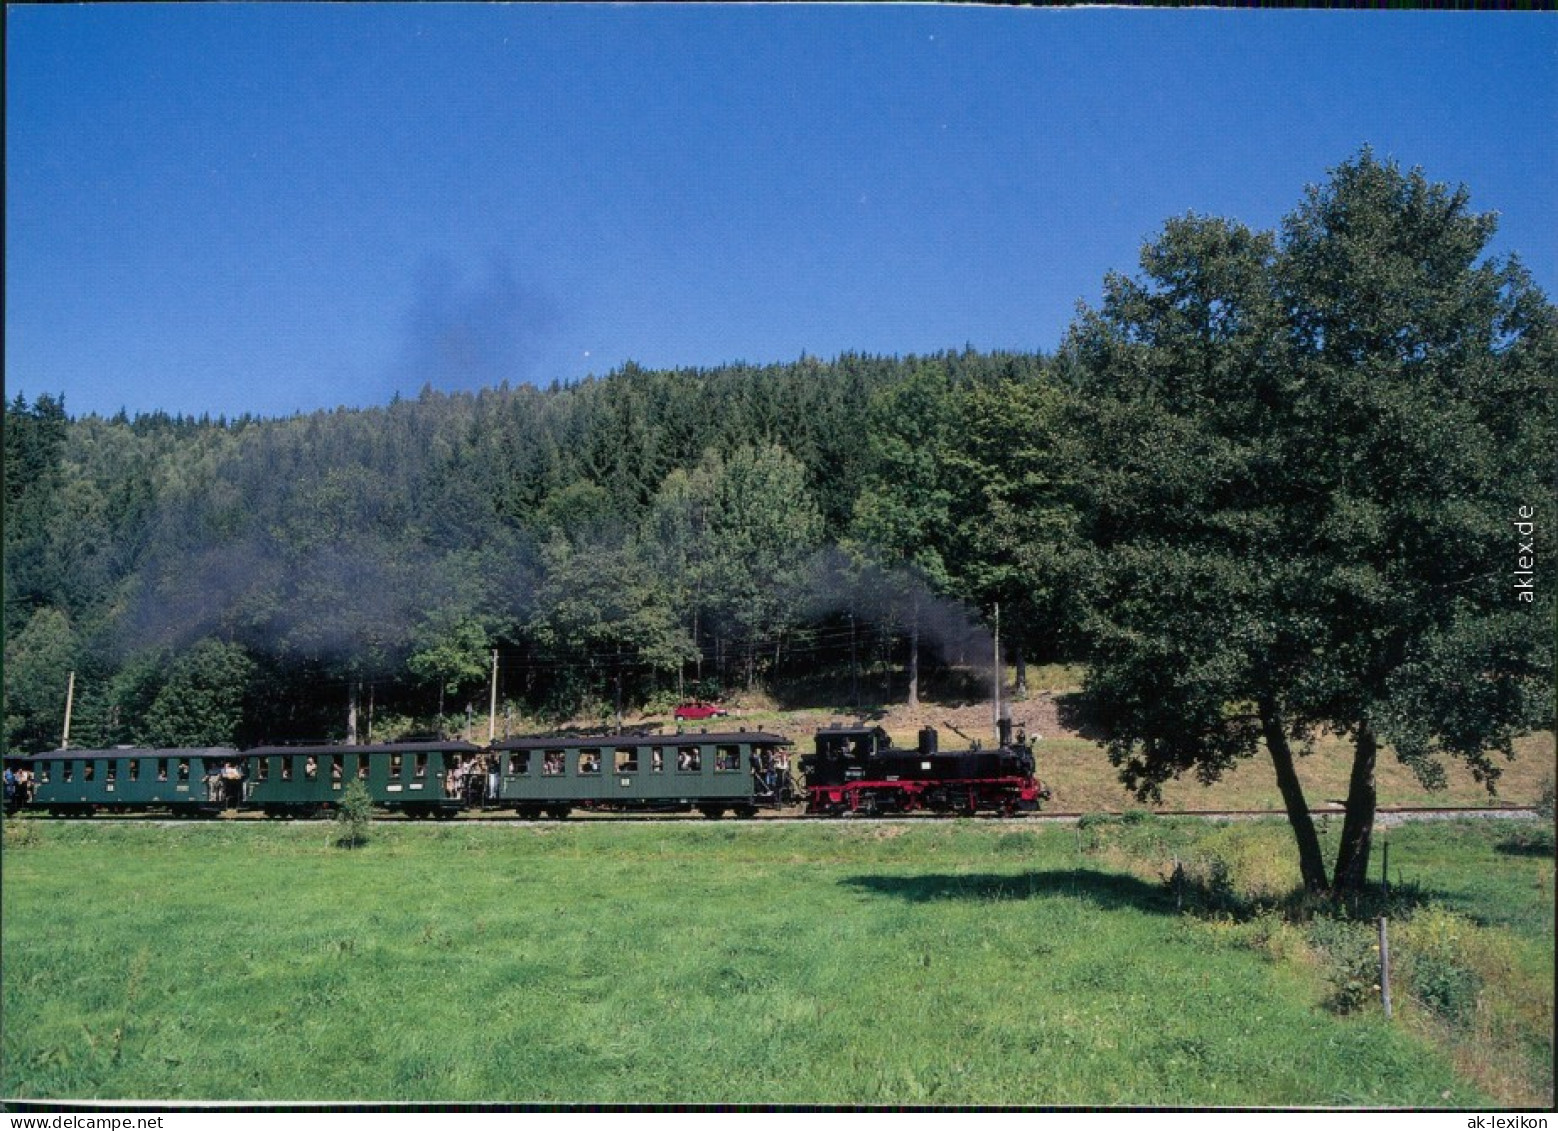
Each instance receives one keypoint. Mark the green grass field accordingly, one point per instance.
(914, 963)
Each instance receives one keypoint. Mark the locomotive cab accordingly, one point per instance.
(844, 753)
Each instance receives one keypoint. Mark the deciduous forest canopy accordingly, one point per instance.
(1269, 486)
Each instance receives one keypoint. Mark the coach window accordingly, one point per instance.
(519, 763)
(396, 763)
(135, 769)
(286, 768)
(262, 769)
(657, 760)
(689, 759)
(552, 763)
(589, 761)
(727, 759)
(43, 771)
(111, 772)
(162, 769)
(627, 759)
(362, 767)
(419, 764)
(183, 771)
(66, 771)
(88, 771)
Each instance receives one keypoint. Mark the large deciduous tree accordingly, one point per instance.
(1309, 453)
(1011, 463)
(202, 702)
(761, 528)
(603, 609)
(903, 515)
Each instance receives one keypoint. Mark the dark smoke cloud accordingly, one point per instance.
(879, 594)
(359, 601)
(463, 334)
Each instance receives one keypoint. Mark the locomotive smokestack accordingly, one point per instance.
(1004, 727)
(928, 740)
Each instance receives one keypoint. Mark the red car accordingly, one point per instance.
(700, 711)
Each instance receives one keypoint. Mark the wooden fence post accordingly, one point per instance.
(1384, 966)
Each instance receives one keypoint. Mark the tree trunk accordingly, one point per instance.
(351, 713)
(1311, 861)
(1352, 862)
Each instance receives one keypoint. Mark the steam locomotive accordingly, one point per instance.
(857, 770)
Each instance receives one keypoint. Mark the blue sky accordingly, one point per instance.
(270, 208)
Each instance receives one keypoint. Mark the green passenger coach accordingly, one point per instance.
(416, 778)
(714, 773)
(190, 782)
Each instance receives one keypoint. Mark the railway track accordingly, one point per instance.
(1385, 816)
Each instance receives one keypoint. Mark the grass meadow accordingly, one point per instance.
(973, 962)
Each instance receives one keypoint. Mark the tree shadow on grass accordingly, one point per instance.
(1539, 845)
(1113, 891)
(1106, 890)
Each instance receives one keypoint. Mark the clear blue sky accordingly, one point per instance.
(236, 208)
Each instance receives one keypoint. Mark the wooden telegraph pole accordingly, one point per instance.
(70, 699)
(492, 707)
(996, 720)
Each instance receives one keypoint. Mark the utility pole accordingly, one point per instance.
(854, 666)
(70, 699)
(997, 717)
(492, 708)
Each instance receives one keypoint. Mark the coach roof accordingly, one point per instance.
(683, 738)
(429, 747)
